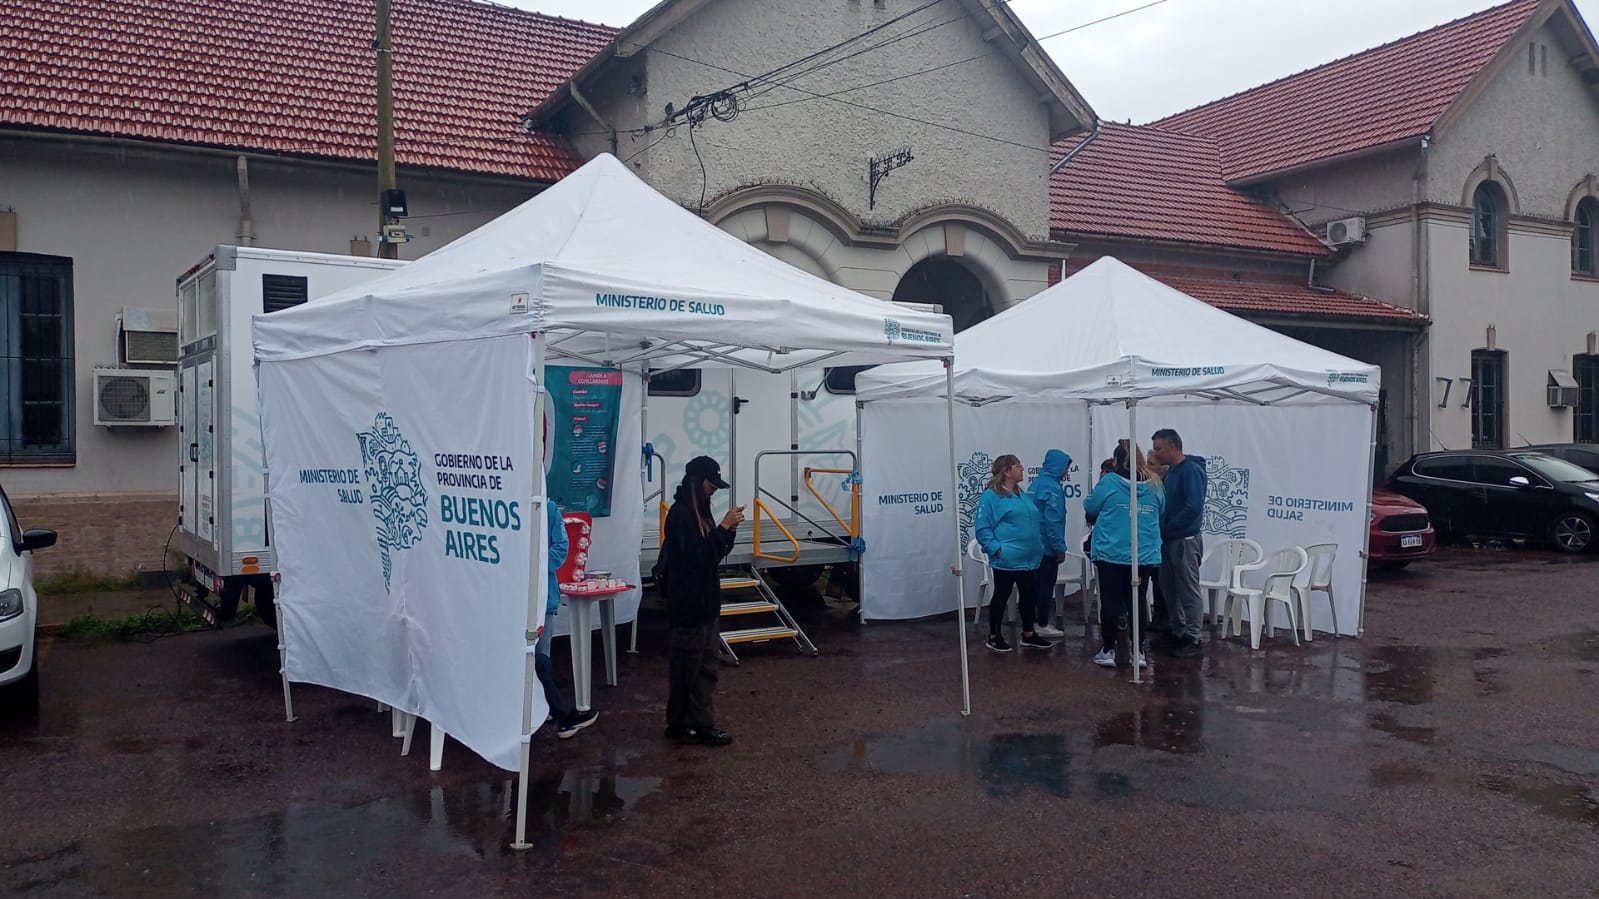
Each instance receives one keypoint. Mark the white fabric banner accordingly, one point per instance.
(618, 536)
(905, 492)
(1279, 475)
(404, 517)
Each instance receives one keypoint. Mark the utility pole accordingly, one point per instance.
(387, 249)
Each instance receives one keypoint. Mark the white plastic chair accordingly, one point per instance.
(974, 551)
(1076, 575)
(1224, 560)
(1285, 567)
(1318, 579)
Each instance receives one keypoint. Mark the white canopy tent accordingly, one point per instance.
(1112, 335)
(415, 388)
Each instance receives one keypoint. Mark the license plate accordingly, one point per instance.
(1409, 542)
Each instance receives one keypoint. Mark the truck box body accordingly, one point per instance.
(223, 524)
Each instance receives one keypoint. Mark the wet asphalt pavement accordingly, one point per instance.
(1452, 751)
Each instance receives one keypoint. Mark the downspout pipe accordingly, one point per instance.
(577, 95)
(246, 226)
(1098, 126)
(1420, 365)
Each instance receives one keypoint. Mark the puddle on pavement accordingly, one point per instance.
(1582, 646)
(1426, 736)
(326, 848)
(1004, 763)
(1400, 674)
(1170, 728)
(1569, 803)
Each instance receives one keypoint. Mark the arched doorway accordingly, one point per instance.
(953, 286)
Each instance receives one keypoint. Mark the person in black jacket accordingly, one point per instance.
(694, 547)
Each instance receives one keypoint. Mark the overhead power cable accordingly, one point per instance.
(864, 107)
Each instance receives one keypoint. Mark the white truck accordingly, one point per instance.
(224, 530)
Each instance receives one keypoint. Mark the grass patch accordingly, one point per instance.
(80, 581)
(145, 625)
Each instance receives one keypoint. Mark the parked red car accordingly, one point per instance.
(1401, 531)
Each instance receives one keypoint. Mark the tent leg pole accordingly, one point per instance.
(1365, 552)
(521, 844)
(860, 466)
(644, 470)
(955, 514)
(283, 671)
(538, 565)
(1134, 464)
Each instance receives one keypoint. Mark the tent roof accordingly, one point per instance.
(612, 273)
(1110, 333)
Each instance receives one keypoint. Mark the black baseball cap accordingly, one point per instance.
(706, 468)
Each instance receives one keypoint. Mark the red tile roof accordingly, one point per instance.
(1250, 297)
(295, 76)
(1390, 93)
(1143, 183)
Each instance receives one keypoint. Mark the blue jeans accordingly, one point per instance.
(560, 709)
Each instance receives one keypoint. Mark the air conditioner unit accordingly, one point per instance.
(1346, 231)
(125, 397)
(148, 336)
(1562, 389)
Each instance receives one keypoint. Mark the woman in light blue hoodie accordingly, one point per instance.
(1009, 529)
(1050, 498)
(1109, 510)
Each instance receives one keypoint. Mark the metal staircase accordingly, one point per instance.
(764, 603)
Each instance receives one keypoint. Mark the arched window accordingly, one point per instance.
(1582, 237)
(1488, 208)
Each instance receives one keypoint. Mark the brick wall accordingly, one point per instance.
(104, 534)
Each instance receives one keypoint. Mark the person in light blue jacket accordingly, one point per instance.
(1108, 509)
(568, 720)
(1010, 531)
(1050, 498)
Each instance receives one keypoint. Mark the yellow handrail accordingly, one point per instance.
(662, 535)
(760, 507)
(852, 527)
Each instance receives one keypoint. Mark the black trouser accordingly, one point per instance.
(694, 666)
(1116, 599)
(1044, 589)
(1025, 583)
(1162, 615)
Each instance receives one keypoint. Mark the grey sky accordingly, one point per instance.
(1182, 52)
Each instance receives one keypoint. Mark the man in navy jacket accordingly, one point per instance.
(1182, 547)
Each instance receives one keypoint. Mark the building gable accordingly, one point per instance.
(810, 94)
(1534, 113)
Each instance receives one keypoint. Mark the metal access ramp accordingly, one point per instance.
(764, 604)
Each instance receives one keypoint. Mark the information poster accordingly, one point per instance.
(587, 402)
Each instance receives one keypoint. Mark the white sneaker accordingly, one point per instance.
(1044, 630)
(1142, 662)
(1105, 658)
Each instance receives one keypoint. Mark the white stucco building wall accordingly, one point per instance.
(131, 218)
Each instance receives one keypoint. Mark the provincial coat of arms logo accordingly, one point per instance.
(394, 481)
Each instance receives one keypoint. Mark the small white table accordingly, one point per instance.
(581, 632)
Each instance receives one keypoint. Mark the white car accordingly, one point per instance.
(19, 607)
